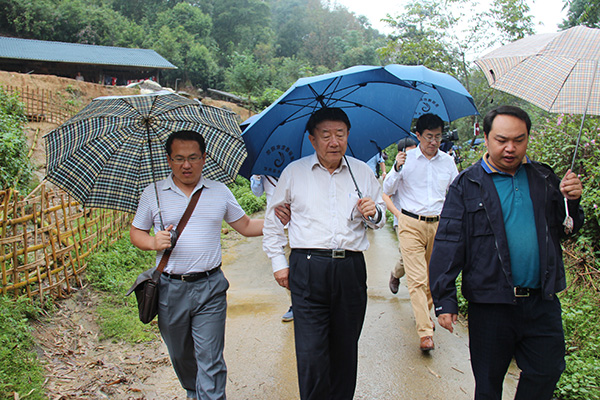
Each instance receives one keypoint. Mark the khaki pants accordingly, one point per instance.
(398, 271)
(416, 243)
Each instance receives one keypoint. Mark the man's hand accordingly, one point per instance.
(400, 160)
(282, 276)
(570, 186)
(447, 320)
(162, 239)
(366, 206)
(284, 213)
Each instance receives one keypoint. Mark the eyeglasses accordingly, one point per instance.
(431, 139)
(181, 160)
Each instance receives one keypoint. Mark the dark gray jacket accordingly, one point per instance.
(471, 238)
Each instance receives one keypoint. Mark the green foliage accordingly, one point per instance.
(581, 313)
(249, 202)
(113, 270)
(19, 367)
(582, 12)
(553, 142)
(15, 167)
(245, 75)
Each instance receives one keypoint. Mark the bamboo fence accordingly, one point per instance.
(45, 240)
(41, 105)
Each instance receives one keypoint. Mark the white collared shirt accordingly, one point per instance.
(324, 208)
(265, 184)
(198, 248)
(422, 183)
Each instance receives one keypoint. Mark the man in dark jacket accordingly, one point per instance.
(501, 225)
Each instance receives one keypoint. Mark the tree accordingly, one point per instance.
(582, 12)
(246, 76)
(445, 35)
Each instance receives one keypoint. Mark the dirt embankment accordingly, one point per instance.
(77, 94)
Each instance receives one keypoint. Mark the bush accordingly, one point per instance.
(113, 270)
(553, 142)
(581, 313)
(249, 202)
(19, 368)
(15, 167)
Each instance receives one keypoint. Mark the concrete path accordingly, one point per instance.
(259, 347)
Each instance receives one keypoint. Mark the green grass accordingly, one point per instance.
(20, 370)
(581, 316)
(112, 271)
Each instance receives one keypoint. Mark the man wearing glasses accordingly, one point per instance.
(420, 178)
(192, 289)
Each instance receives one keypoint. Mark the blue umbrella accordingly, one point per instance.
(380, 105)
(444, 94)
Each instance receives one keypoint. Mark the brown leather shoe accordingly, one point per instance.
(394, 283)
(427, 343)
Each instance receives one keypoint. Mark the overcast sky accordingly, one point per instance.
(547, 12)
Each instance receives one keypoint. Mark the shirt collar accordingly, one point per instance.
(420, 153)
(490, 169)
(170, 184)
(316, 163)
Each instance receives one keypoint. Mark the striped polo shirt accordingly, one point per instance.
(199, 246)
(519, 223)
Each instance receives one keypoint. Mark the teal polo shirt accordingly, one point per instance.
(519, 223)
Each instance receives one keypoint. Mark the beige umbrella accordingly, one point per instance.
(555, 71)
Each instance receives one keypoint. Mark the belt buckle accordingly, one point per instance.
(185, 277)
(521, 292)
(338, 253)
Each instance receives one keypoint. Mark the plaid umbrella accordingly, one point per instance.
(555, 71)
(112, 149)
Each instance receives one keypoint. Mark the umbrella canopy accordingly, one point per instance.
(380, 104)
(112, 149)
(444, 94)
(555, 71)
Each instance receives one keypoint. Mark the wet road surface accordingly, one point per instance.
(259, 347)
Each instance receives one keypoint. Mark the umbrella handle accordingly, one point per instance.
(360, 196)
(162, 224)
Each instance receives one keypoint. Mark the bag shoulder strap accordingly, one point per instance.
(180, 226)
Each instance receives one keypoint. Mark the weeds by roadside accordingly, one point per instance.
(112, 271)
(21, 375)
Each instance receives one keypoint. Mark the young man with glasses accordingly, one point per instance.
(192, 290)
(420, 178)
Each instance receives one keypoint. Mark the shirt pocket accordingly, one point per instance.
(443, 181)
(477, 217)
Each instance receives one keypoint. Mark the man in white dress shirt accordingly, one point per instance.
(192, 298)
(327, 272)
(392, 202)
(420, 178)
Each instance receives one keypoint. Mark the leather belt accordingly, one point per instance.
(330, 253)
(193, 276)
(435, 218)
(526, 292)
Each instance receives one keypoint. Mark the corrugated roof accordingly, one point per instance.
(41, 50)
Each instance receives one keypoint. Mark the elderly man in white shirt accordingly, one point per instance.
(327, 272)
(420, 179)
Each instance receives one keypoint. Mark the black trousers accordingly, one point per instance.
(329, 298)
(531, 332)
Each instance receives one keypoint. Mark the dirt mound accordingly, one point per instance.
(74, 94)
